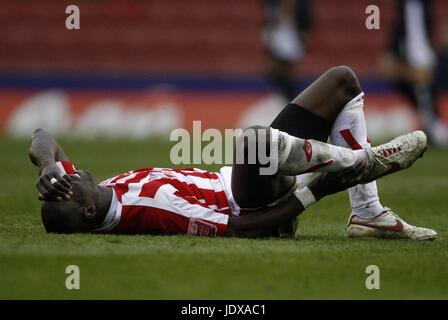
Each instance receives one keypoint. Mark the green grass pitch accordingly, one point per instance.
(322, 263)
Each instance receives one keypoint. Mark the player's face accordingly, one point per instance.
(76, 214)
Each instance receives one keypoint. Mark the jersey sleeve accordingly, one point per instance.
(66, 167)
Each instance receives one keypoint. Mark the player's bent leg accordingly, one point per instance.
(250, 189)
(333, 99)
(310, 116)
(312, 113)
(350, 131)
(327, 95)
(266, 219)
(288, 156)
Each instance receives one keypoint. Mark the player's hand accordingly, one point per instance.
(52, 186)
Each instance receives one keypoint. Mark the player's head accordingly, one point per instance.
(79, 214)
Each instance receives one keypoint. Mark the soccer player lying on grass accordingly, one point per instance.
(239, 200)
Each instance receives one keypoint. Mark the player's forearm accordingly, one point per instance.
(263, 222)
(44, 150)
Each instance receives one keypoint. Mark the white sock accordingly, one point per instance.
(349, 130)
(296, 156)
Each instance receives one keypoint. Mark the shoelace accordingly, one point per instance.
(372, 159)
(393, 148)
(381, 156)
(389, 151)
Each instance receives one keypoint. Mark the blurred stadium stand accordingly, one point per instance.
(178, 36)
(190, 45)
(158, 36)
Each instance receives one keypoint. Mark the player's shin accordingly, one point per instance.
(350, 131)
(296, 156)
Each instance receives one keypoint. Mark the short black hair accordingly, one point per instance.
(62, 217)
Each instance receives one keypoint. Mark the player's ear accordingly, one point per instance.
(89, 212)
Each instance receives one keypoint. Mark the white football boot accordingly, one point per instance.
(396, 155)
(387, 224)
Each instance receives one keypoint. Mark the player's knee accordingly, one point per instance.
(252, 138)
(254, 135)
(346, 79)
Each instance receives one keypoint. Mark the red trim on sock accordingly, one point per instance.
(351, 141)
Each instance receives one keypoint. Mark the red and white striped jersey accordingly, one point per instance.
(167, 201)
